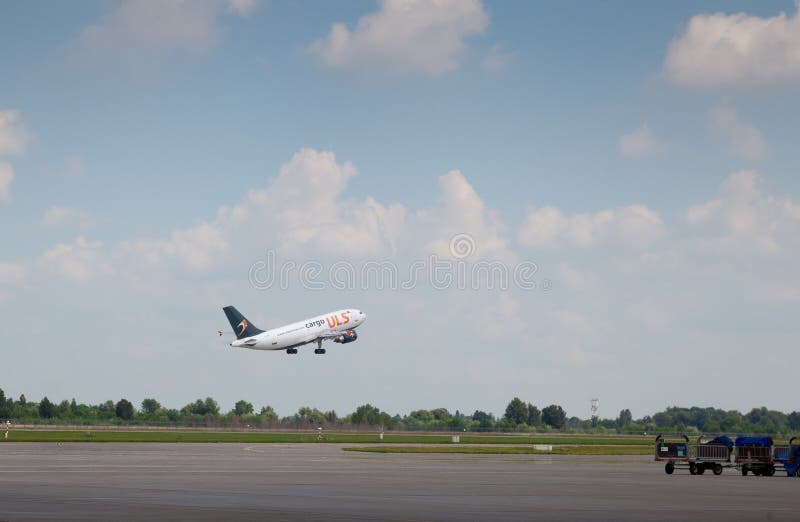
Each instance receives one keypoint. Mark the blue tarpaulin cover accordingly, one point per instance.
(782, 454)
(793, 464)
(763, 442)
(722, 439)
(790, 458)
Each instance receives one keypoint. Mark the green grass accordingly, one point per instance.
(197, 436)
(272, 437)
(509, 450)
(598, 440)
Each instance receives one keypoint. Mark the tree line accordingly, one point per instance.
(518, 416)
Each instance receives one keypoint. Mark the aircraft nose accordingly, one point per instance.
(363, 317)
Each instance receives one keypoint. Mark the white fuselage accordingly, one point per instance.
(326, 326)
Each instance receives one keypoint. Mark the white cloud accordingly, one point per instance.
(11, 273)
(652, 314)
(143, 32)
(242, 7)
(640, 143)
(14, 136)
(461, 211)
(405, 36)
(637, 225)
(577, 336)
(80, 261)
(720, 50)
(744, 218)
(503, 321)
(6, 177)
(304, 204)
(671, 259)
(633, 226)
(498, 58)
(579, 324)
(64, 216)
(743, 139)
(703, 211)
(576, 279)
(197, 247)
(302, 211)
(780, 294)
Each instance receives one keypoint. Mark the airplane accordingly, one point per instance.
(338, 326)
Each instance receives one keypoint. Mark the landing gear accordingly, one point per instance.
(291, 351)
(319, 351)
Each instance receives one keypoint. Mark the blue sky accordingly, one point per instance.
(643, 156)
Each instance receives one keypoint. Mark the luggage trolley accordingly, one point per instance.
(788, 457)
(754, 455)
(675, 454)
(714, 455)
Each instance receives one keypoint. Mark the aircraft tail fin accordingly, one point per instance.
(241, 326)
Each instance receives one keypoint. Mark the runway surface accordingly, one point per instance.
(322, 482)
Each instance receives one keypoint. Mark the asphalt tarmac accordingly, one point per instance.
(322, 482)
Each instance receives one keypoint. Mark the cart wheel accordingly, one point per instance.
(669, 468)
(699, 470)
(744, 471)
(717, 469)
(692, 469)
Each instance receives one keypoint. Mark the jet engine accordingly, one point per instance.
(347, 337)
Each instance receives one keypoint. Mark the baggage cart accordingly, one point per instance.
(674, 454)
(711, 455)
(787, 457)
(754, 455)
